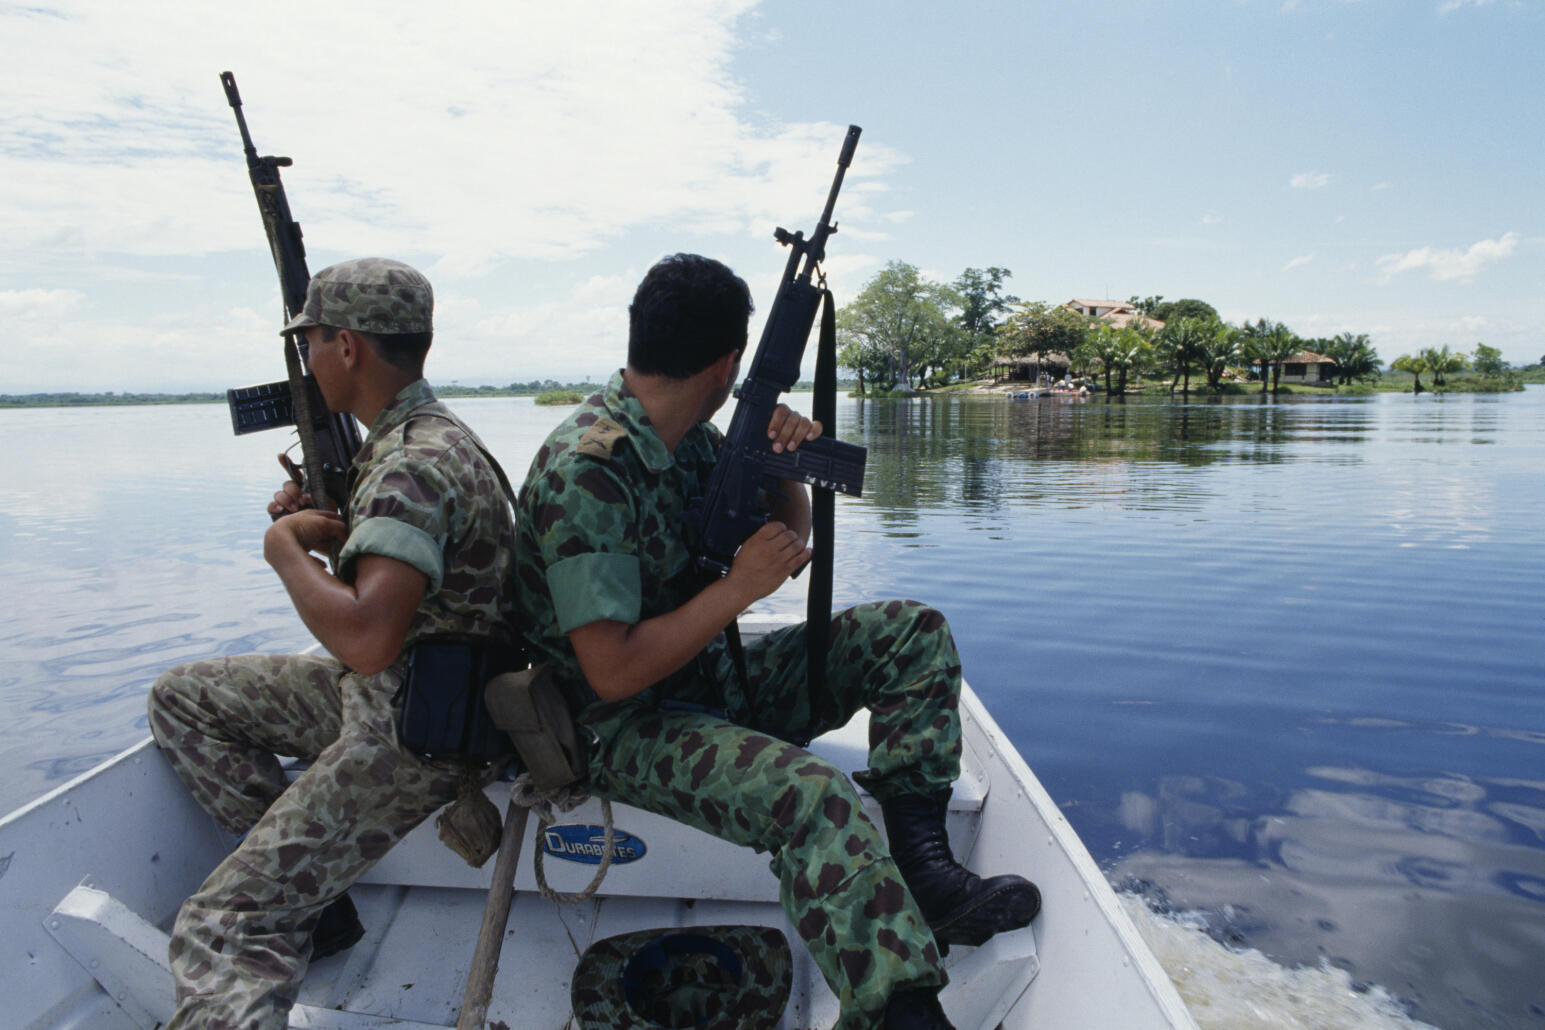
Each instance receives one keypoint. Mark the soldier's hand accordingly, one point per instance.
(787, 429)
(311, 529)
(290, 497)
(766, 560)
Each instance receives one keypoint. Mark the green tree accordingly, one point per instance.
(943, 353)
(1412, 364)
(1115, 352)
(896, 329)
(1040, 329)
(982, 307)
(1100, 350)
(1488, 362)
(1219, 348)
(1354, 356)
(1440, 361)
(1268, 344)
(1180, 345)
(1184, 308)
(1146, 305)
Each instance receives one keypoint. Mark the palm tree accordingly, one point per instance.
(1098, 348)
(1414, 365)
(1181, 342)
(1354, 356)
(1270, 344)
(1218, 350)
(1135, 350)
(1440, 362)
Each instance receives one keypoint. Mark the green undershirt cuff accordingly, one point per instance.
(589, 587)
(393, 539)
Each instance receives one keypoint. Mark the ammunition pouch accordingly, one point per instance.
(529, 706)
(440, 707)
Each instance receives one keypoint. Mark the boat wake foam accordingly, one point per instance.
(1232, 989)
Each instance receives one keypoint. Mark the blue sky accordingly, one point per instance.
(1370, 166)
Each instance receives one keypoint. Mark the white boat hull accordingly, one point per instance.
(92, 874)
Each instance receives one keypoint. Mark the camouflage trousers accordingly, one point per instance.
(241, 943)
(743, 781)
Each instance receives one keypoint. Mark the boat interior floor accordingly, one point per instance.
(422, 906)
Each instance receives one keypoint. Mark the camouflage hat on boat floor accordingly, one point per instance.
(369, 295)
(702, 978)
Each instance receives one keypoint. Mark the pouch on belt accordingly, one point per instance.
(529, 705)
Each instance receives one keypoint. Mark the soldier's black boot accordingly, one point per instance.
(961, 907)
(915, 1010)
(338, 928)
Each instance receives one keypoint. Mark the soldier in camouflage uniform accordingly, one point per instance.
(610, 595)
(425, 550)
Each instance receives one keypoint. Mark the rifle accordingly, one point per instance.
(328, 439)
(745, 478)
(736, 503)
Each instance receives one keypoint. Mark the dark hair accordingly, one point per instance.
(688, 312)
(403, 351)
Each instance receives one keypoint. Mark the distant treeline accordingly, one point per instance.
(526, 389)
(65, 400)
(69, 400)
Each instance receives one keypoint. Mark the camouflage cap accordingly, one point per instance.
(371, 295)
(704, 977)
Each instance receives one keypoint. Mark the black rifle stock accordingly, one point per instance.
(328, 439)
(744, 481)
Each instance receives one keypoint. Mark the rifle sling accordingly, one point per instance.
(818, 602)
(305, 428)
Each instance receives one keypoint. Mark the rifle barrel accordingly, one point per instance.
(816, 251)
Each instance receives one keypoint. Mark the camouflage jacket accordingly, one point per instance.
(600, 528)
(422, 491)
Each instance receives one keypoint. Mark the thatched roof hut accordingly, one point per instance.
(1026, 369)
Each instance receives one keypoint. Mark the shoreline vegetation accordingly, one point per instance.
(1390, 382)
(546, 388)
(905, 333)
(574, 393)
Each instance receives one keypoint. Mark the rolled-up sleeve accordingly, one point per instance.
(585, 525)
(398, 512)
(590, 587)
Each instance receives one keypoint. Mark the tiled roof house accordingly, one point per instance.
(1119, 313)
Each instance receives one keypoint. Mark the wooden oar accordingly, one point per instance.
(485, 960)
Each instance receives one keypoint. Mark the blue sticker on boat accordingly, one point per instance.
(576, 843)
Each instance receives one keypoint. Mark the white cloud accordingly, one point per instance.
(1298, 262)
(588, 325)
(525, 130)
(511, 150)
(1447, 264)
(1450, 6)
(1309, 181)
(30, 304)
(1211, 218)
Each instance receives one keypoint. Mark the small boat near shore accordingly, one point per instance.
(92, 874)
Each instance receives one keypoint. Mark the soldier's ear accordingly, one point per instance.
(350, 348)
(726, 368)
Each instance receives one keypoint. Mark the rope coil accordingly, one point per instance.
(564, 799)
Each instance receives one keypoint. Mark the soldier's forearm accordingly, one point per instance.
(619, 659)
(363, 625)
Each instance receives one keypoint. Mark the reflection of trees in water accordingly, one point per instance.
(978, 453)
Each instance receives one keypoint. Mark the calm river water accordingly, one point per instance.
(1279, 661)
